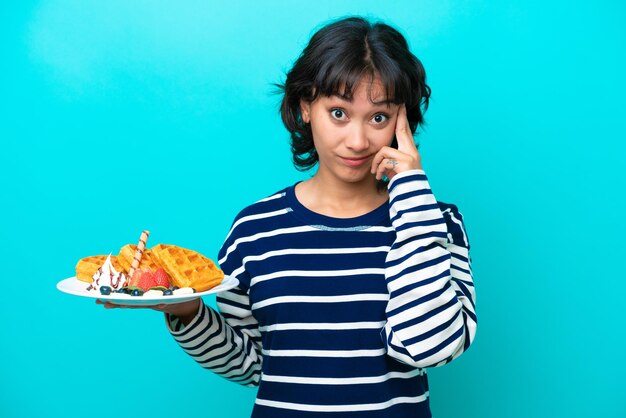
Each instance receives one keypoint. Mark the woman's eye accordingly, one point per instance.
(380, 118)
(337, 114)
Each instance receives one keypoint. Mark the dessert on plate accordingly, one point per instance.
(159, 271)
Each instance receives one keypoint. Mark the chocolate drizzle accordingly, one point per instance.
(116, 281)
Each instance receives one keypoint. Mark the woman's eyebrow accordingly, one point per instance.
(340, 97)
(384, 102)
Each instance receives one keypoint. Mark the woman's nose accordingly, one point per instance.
(357, 139)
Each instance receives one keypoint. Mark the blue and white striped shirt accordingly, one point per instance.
(340, 317)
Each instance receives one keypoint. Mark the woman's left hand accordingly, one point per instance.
(390, 161)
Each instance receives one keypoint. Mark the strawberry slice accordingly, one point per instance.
(161, 278)
(134, 280)
(146, 280)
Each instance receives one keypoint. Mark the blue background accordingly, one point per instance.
(119, 116)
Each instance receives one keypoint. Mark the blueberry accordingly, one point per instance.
(105, 290)
(167, 292)
(137, 292)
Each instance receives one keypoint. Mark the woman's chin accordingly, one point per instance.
(358, 177)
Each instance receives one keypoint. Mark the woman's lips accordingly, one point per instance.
(355, 162)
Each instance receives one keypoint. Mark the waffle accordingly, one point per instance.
(187, 268)
(127, 253)
(88, 266)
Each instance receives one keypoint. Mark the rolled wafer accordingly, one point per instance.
(125, 259)
(141, 246)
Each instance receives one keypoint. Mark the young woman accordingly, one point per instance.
(355, 281)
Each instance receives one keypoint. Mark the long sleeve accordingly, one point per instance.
(431, 316)
(226, 342)
(222, 342)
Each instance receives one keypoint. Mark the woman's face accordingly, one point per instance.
(347, 134)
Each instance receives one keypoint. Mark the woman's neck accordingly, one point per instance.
(340, 199)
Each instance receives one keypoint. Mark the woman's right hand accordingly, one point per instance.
(185, 311)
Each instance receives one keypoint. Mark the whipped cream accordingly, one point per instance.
(107, 276)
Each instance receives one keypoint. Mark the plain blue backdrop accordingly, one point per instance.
(118, 116)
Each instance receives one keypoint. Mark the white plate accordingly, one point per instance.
(73, 286)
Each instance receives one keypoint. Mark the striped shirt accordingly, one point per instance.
(338, 317)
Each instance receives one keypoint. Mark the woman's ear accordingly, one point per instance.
(305, 111)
